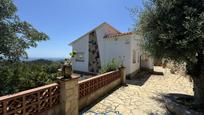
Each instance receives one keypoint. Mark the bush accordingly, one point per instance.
(21, 76)
(111, 66)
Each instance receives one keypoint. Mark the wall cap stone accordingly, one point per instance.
(62, 79)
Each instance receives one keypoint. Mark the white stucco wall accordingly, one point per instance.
(121, 48)
(135, 45)
(101, 32)
(118, 49)
(147, 62)
(81, 46)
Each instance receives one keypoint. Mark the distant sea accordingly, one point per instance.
(45, 58)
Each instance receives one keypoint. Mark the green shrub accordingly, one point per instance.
(19, 76)
(110, 66)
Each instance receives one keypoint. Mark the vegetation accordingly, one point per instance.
(174, 30)
(15, 35)
(21, 76)
(69, 61)
(111, 66)
(73, 54)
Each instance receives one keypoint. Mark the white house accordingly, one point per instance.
(104, 43)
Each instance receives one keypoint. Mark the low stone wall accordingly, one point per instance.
(147, 64)
(92, 89)
(87, 100)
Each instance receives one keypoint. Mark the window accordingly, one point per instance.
(138, 59)
(134, 56)
(80, 57)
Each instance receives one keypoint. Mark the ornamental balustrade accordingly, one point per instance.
(30, 102)
(89, 86)
(42, 100)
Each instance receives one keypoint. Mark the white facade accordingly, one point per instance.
(118, 49)
(81, 46)
(124, 48)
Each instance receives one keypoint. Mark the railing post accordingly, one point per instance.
(69, 93)
(4, 108)
(123, 75)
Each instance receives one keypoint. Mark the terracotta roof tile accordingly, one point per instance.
(117, 35)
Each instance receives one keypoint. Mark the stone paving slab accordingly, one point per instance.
(145, 99)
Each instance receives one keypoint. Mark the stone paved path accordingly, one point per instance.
(143, 96)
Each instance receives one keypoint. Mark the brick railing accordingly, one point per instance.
(55, 99)
(89, 86)
(31, 101)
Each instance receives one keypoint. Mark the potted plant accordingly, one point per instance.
(67, 67)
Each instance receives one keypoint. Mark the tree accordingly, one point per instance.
(174, 30)
(15, 35)
(20, 76)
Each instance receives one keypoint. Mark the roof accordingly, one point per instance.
(118, 35)
(104, 23)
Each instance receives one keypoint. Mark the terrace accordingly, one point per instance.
(102, 94)
(142, 96)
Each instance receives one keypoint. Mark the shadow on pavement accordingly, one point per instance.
(157, 73)
(141, 77)
(160, 99)
(86, 109)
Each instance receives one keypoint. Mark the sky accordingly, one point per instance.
(66, 20)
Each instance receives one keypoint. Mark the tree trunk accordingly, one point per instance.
(198, 89)
(198, 81)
